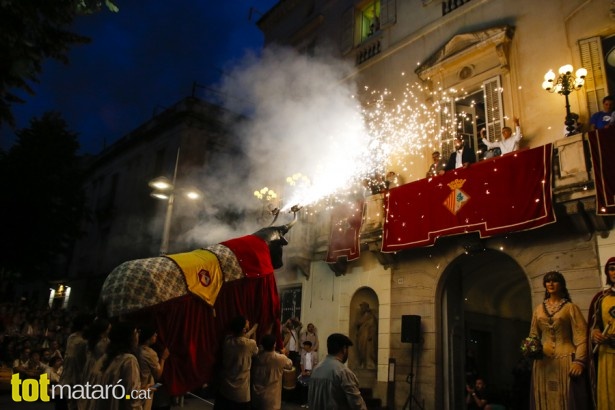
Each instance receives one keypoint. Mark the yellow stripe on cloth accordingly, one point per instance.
(202, 272)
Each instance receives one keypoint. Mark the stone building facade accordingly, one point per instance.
(475, 296)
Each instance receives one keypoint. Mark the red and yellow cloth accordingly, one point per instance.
(202, 272)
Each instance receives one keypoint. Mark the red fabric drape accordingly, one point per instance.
(252, 253)
(194, 331)
(500, 195)
(602, 144)
(344, 235)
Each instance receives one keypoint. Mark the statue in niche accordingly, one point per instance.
(367, 336)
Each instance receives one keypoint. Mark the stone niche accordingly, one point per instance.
(363, 356)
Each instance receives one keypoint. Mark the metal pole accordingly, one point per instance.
(569, 121)
(164, 246)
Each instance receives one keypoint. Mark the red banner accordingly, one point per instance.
(602, 144)
(345, 228)
(499, 195)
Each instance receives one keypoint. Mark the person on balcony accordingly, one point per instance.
(462, 157)
(602, 119)
(509, 142)
(437, 165)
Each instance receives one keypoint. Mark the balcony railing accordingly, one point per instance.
(573, 197)
(369, 49)
(452, 5)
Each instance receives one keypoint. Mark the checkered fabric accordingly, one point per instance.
(228, 262)
(140, 283)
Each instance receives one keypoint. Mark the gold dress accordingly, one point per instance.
(562, 331)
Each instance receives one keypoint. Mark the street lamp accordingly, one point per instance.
(166, 190)
(564, 84)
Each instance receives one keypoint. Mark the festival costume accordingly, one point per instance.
(333, 386)
(506, 145)
(601, 313)
(267, 370)
(563, 334)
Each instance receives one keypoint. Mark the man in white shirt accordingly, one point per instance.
(509, 141)
(309, 360)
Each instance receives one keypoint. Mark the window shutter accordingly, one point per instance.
(595, 82)
(492, 92)
(347, 40)
(387, 13)
(447, 131)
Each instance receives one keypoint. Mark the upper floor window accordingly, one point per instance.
(598, 57)
(368, 20)
(364, 21)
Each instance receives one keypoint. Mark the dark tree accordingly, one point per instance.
(43, 201)
(30, 32)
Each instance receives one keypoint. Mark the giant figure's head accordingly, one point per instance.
(274, 236)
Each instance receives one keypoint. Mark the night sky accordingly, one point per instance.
(142, 59)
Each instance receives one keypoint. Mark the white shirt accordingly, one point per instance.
(508, 145)
(458, 160)
(308, 361)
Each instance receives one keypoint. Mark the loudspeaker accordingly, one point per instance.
(410, 329)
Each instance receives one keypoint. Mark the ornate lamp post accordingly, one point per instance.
(564, 84)
(166, 190)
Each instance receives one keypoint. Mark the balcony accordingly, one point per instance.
(370, 48)
(452, 5)
(571, 195)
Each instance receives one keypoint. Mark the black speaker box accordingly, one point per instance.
(410, 329)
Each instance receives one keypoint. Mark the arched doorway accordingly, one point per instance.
(485, 310)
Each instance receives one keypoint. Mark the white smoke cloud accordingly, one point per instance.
(304, 119)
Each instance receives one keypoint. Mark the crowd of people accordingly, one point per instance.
(253, 376)
(574, 371)
(74, 347)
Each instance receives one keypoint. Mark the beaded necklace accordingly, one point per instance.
(551, 311)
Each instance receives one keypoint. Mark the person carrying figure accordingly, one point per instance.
(267, 370)
(150, 365)
(237, 352)
(602, 341)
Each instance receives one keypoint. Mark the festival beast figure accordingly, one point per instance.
(191, 297)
